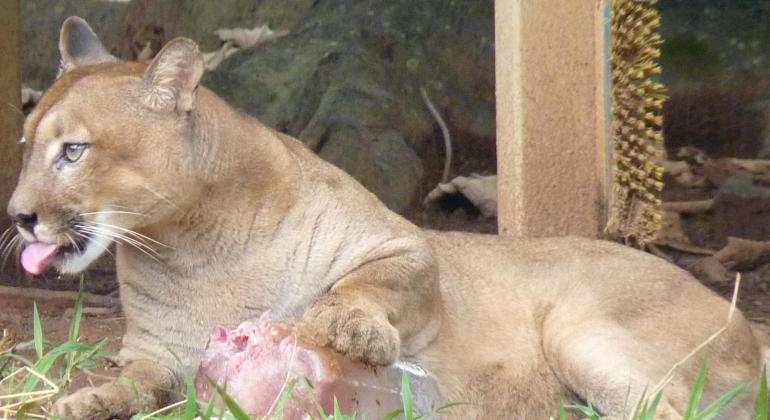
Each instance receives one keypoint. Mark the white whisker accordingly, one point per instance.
(113, 212)
(11, 247)
(74, 244)
(117, 235)
(122, 239)
(87, 238)
(7, 234)
(129, 231)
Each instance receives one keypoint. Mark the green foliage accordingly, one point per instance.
(761, 409)
(23, 377)
(75, 355)
(191, 406)
(232, 411)
(646, 410)
(38, 333)
(697, 391)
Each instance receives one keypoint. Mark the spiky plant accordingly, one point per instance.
(637, 121)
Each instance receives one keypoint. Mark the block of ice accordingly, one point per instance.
(255, 360)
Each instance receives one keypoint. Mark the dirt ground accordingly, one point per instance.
(729, 217)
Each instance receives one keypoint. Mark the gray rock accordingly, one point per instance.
(345, 80)
(41, 20)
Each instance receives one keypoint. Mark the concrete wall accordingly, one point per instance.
(551, 129)
(10, 102)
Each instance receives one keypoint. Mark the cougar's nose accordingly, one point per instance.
(26, 220)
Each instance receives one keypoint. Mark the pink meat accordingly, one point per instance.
(255, 359)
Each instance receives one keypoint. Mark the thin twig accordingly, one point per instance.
(164, 409)
(95, 311)
(42, 294)
(659, 253)
(689, 207)
(288, 376)
(98, 375)
(444, 131)
(683, 247)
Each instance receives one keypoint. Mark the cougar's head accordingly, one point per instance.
(107, 152)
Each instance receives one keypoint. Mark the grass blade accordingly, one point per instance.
(406, 397)
(587, 410)
(210, 407)
(191, 405)
(714, 408)
(393, 415)
(43, 365)
(77, 315)
(761, 410)
(648, 412)
(233, 406)
(286, 395)
(697, 392)
(38, 332)
(319, 408)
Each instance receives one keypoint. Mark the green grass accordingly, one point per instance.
(191, 408)
(29, 386)
(646, 409)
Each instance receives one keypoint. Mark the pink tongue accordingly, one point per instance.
(36, 255)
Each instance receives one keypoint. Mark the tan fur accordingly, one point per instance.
(253, 221)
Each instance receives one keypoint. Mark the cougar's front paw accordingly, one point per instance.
(104, 402)
(353, 332)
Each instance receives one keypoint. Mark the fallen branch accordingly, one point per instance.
(95, 311)
(709, 271)
(743, 253)
(688, 207)
(89, 299)
(684, 247)
(659, 253)
(480, 190)
(754, 166)
(674, 167)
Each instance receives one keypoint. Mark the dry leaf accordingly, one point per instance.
(236, 39)
(478, 189)
(212, 60)
(247, 38)
(29, 96)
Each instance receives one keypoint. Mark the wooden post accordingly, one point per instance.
(552, 149)
(10, 102)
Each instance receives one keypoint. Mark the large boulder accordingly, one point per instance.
(346, 80)
(41, 20)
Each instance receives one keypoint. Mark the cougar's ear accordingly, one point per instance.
(171, 79)
(79, 45)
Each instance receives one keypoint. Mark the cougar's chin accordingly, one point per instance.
(74, 260)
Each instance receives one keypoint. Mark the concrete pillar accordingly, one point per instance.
(10, 102)
(552, 150)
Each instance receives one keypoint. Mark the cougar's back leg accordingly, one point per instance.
(603, 363)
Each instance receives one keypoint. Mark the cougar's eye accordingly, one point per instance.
(73, 151)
